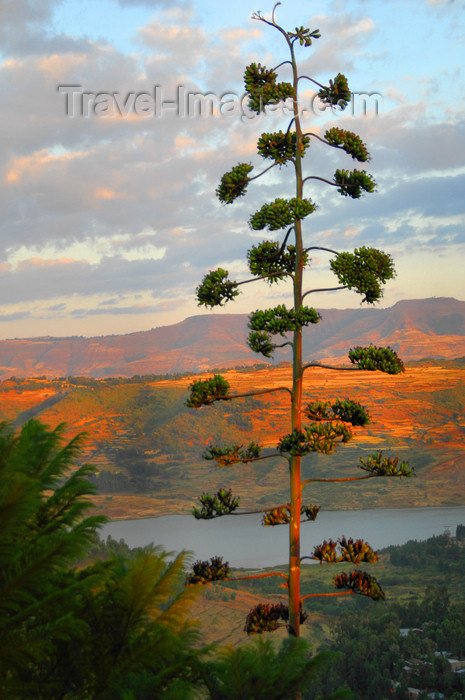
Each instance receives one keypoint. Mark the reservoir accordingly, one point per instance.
(244, 542)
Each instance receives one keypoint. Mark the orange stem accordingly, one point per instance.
(245, 578)
(315, 595)
(351, 478)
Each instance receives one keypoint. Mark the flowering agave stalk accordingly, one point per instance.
(285, 258)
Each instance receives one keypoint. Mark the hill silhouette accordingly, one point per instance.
(416, 329)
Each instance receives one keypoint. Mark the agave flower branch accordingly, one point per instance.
(364, 271)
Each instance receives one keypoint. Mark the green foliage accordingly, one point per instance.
(347, 411)
(216, 289)
(203, 392)
(43, 530)
(364, 270)
(262, 88)
(337, 93)
(368, 658)
(417, 659)
(259, 671)
(375, 359)
(207, 571)
(353, 183)
(222, 503)
(96, 632)
(360, 582)
(281, 147)
(318, 437)
(137, 629)
(386, 466)
(281, 320)
(269, 259)
(234, 183)
(348, 142)
(281, 213)
(232, 454)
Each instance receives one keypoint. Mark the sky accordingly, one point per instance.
(109, 167)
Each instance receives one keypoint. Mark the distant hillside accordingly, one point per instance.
(148, 445)
(417, 329)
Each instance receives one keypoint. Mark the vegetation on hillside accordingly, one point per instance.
(373, 646)
(382, 654)
(81, 618)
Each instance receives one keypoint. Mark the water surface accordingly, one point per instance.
(244, 542)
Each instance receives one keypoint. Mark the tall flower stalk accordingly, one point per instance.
(365, 271)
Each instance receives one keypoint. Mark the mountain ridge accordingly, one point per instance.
(415, 328)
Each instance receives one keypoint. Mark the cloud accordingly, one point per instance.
(149, 3)
(18, 316)
(25, 29)
(110, 212)
(116, 310)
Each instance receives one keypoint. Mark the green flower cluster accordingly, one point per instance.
(265, 617)
(364, 270)
(232, 454)
(260, 343)
(222, 503)
(204, 571)
(281, 515)
(386, 466)
(281, 213)
(348, 142)
(205, 391)
(375, 359)
(356, 551)
(262, 88)
(280, 146)
(337, 93)
(323, 437)
(216, 289)
(326, 552)
(277, 516)
(353, 183)
(347, 411)
(360, 582)
(234, 183)
(269, 258)
(317, 437)
(304, 35)
(282, 320)
(310, 511)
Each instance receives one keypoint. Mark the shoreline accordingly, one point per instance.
(125, 518)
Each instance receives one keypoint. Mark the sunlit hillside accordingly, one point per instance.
(148, 446)
(415, 329)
